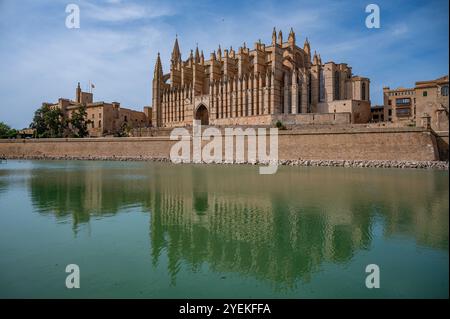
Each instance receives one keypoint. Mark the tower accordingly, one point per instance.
(274, 36)
(280, 38)
(156, 91)
(78, 94)
(307, 49)
(175, 65)
(291, 38)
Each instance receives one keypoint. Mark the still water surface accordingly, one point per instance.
(155, 230)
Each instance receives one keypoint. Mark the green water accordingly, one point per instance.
(153, 230)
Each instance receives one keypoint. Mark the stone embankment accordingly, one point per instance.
(439, 165)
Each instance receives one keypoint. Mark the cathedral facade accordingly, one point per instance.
(281, 81)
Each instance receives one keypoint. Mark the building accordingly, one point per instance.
(104, 118)
(432, 99)
(377, 113)
(399, 105)
(409, 105)
(258, 86)
(26, 133)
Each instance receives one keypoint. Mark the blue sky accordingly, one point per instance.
(116, 46)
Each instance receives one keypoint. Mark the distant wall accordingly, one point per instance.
(290, 119)
(412, 144)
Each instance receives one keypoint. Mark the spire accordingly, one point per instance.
(315, 59)
(219, 53)
(274, 36)
(320, 60)
(158, 68)
(291, 38)
(176, 55)
(306, 47)
(202, 58)
(280, 38)
(197, 55)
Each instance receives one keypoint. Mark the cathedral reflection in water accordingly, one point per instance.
(280, 228)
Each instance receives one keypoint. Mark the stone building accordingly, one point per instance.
(377, 113)
(105, 118)
(409, 105)
(399, 105)
(280, 81)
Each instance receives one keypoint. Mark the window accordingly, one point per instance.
(93, 115)
(321, 86)
(100, 115)
(336, 85)
(404, 101)
(100, 123)
(390, 102)
(444, 90)
(403, 112)
(309, 93)
(363, 91)
(289, 106)
(425, 93)
(390, 112)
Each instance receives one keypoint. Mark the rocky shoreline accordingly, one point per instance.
(439, 165)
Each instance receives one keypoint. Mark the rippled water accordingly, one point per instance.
(156, 230)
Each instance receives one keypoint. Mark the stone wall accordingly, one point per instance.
(408, 144)
(289, 119)
(442, 144)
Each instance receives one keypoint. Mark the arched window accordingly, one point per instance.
(321, 86)
(336, 85)
(308, 108)
(282, 94)
(299, 94)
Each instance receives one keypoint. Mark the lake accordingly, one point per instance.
(160, 230)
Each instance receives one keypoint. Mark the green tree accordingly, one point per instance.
(49, 122)
(124, 131)
(6, 131)
(79, 122)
